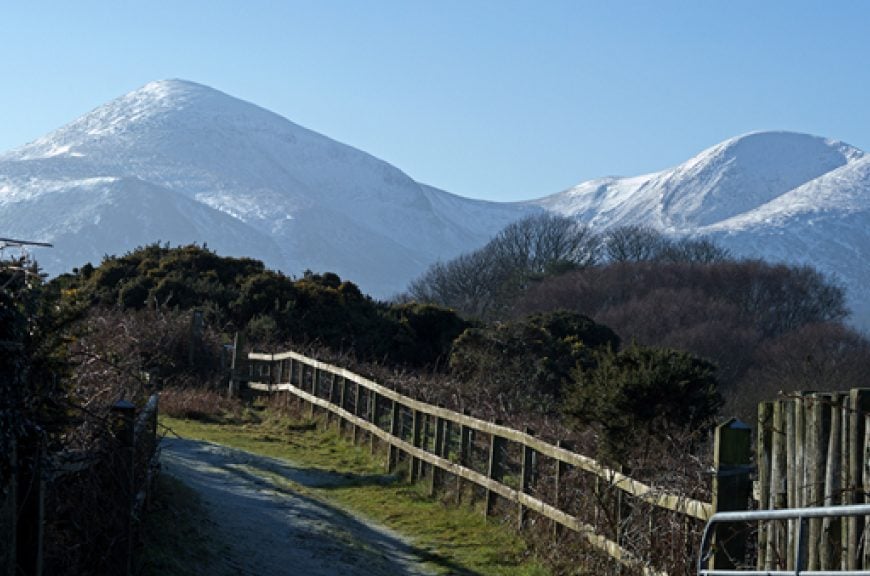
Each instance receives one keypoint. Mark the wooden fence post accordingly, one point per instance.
(393, 451)
(438, 450)
(330, 397)
(30, 504)
(313, 391)
(373, 418)
(561, 470)
(8, 522)
(416, 438)
(465, 442)
(732, 488)
(496, 469)
(237, 365)
(342, 402)
(424, 444)
(526, 478)
(124, 413)
(357, 410)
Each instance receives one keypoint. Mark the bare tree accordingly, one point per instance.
(484, 282)
(634, 243)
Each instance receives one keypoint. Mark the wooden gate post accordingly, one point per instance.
(124, 412)
(732, 488)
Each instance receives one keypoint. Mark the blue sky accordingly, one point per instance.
(504, 100)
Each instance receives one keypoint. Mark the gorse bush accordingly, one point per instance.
(528, 361)
(237, 293)
(641, 392)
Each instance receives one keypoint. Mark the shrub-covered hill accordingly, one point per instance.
(240, 292)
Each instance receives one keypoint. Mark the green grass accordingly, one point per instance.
(178, 538)
(455, 540)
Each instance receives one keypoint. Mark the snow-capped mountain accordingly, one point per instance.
(176, 161)
(779, 196)
(179, 162)
(724, 181)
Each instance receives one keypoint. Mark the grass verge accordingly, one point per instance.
(456, 540)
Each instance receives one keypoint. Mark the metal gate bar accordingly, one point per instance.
(802, 515)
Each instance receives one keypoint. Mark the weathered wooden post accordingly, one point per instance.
(466, 439)
(8, 521)
(314, 376)
(526, 475)
(859, 405)
(357, 409)
(424, 444)
(195, 343)
(416, 440)
(831, 533)
(342, 401)
(438, 450)
(30, 512)
(819, 427)
(373, 418)
(123, 413)
(393, 451)
(732, 488)
(237, 366)
(496, 468)
(865, 552)
(561, 470)
(764, 442)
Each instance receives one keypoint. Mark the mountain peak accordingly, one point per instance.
(725, 180)
(148, 115)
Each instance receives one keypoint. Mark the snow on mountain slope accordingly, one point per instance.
(825, 223)
(327, 206)
(179, 162)
(725, 180)
(778, 196)
(111, 215)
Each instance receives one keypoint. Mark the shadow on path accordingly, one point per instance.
(270, 529)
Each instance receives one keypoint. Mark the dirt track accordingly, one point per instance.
(270, 529)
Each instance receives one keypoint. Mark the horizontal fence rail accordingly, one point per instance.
(286, 371)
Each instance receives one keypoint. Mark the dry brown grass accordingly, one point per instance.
(199, 404)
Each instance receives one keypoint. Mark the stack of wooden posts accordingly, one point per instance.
(813, 449)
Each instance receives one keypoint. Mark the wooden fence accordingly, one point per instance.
(440, 440)
(814, 450)
(133, 461)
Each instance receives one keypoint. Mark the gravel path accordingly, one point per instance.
(272, 530)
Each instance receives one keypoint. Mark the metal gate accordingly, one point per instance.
(801, 517)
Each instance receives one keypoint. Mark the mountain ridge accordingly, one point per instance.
(185, 161)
